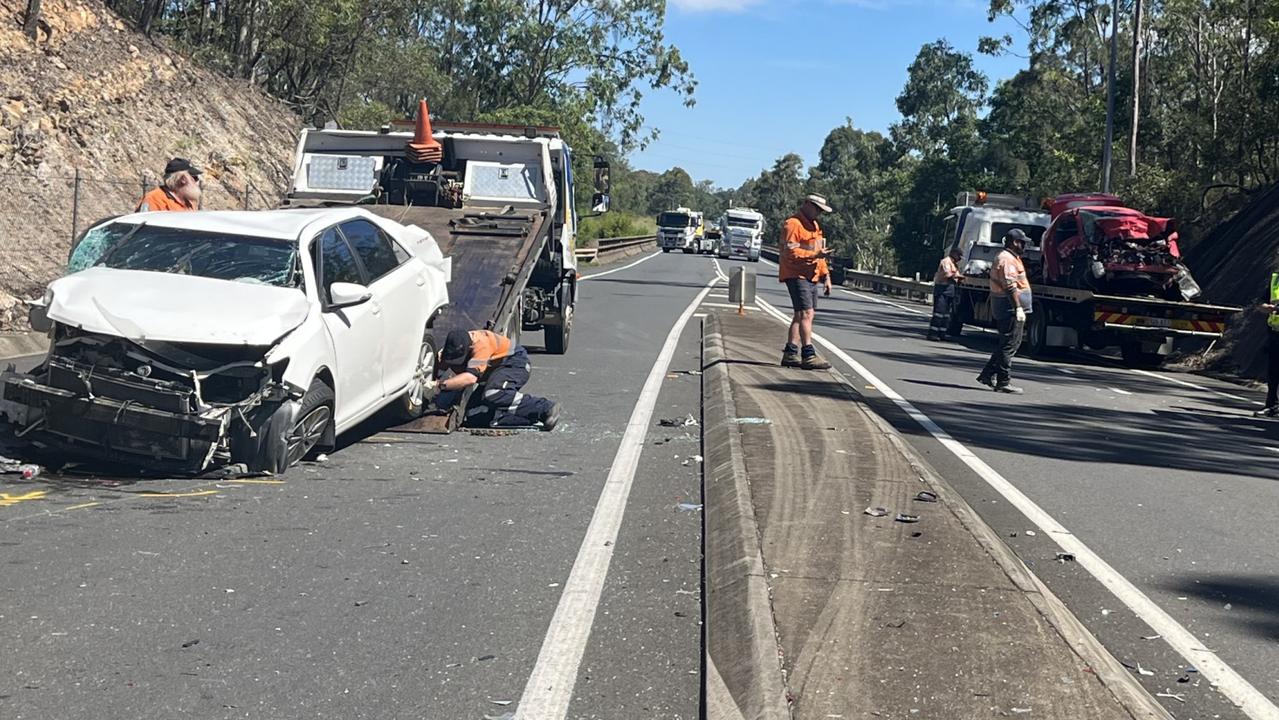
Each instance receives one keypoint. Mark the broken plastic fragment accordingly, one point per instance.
(689, 507)
(927, 496)
(1065, 557)
(875, 511)
(752, 421)
(906, 518)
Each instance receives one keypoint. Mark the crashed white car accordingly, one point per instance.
(183, 341)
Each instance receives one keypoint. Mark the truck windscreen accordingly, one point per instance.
(999, 229)
(672, 220)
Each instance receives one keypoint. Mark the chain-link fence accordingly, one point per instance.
(42, 212)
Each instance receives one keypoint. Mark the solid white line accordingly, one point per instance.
(1117, 390)
(1183, 383)
(916, 311)
(550, 686)
(646, 258)
(1228, 682)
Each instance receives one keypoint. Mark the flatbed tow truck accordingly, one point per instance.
(499, 201)
(1144, 328)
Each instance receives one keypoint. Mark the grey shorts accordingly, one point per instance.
(803, 294)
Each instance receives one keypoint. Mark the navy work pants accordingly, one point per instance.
(944, 297)
(498, 402)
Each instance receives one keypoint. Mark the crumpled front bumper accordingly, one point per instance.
(134, 431)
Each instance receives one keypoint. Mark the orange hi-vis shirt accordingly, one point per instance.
(801, 242)
(947, 272)
(1008, 283)
(487, 348)
(160, 199)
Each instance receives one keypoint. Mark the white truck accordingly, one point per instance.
(678, 230)
(742, 233)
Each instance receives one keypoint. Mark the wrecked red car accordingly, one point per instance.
(1096, 244)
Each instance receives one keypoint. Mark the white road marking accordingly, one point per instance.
(1227, 681)
(1183, 383)
(881, 301)
(646, 258)
(550, 686)
(1117, 390)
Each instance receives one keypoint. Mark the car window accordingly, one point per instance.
(372, 246)
(337, 263)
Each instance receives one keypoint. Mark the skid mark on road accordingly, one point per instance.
(1225, 678)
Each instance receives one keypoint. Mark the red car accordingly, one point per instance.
(1094, 243)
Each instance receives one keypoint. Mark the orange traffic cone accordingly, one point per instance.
(424, 148)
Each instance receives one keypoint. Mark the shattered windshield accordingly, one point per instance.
(95, 243)
(220, 256)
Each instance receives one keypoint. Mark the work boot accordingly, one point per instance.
(814, 362)
(1268, 412)
(790, 358)
(1010, 389)
(987, 381)
(552, 418)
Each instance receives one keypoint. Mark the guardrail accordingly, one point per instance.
(889, 285)
(609, 247)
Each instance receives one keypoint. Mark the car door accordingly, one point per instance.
(399, 287)
(357, 331)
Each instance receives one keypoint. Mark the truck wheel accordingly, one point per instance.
(1135, 357)
(557, 335)
(1037, 333)
(419, 394)
(666, 249)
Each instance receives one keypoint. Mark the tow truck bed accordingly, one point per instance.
(493, 255)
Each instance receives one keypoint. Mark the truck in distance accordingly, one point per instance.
(680, 229)
(742, 233)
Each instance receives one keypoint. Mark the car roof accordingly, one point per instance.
(276, 224)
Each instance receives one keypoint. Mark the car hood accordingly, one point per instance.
(167, 307)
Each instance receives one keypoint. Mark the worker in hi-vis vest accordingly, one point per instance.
(1272, 367)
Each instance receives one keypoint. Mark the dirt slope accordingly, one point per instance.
(1233, 263)
(94, 95)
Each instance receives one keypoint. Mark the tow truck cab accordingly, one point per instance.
(979, 221)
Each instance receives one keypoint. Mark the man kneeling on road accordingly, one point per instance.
(501, 369)
(802, 252)
(1010, 301)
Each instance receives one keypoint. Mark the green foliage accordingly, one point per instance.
(614, 224)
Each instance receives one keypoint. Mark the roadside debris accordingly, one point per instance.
(322, 457)
(926, 496)
(875, 511)
(752, 421)
(1151, 637)
(690, 461)
(906, 518)
(1065, 557)
(190, 643)
(677, 422)
(1174, 696)
(1022, 711)
(508, 715)
(10, 466)
(689, 507)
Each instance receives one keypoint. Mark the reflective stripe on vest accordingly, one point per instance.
(1273, 320)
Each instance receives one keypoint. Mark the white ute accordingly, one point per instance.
(184, 341)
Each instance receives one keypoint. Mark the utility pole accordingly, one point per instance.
(1136, 87)
(1107, 150)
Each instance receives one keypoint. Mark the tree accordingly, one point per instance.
(940, 102)
(674, 188)
(777, 191)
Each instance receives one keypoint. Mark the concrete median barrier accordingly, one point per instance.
(14, 345)
(743, 675)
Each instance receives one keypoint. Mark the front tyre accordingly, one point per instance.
(421, 389)
(281, 437)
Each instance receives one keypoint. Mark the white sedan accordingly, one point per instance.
(187, 340)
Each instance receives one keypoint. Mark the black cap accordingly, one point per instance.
(180, 164)
(457, 348)
(1015, 235)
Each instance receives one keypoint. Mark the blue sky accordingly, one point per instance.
(776, 77)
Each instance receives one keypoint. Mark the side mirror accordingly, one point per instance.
(600, 203)
(342, 295)
(601, 199)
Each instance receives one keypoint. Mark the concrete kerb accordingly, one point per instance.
(1126, 690)
(15, 345)
(743, 678)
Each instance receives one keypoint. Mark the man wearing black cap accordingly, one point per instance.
(179, 191)
(482, 357)
(1010, 301)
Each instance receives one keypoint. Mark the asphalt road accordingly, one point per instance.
(407, 576)
(1174, 486)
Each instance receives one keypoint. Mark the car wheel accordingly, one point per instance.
(280, 437)
(421, 391)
